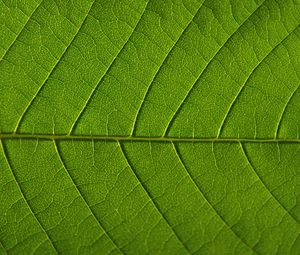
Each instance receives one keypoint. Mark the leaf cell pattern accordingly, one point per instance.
(150, 127)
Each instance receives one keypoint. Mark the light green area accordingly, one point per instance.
(149, 127)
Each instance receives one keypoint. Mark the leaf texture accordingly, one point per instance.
(150, 127)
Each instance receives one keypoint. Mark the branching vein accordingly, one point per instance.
(49, 74)
(83, 198)
(153, 201)
(264, 183)
(73, 126)
(25, 200)
(207, 200)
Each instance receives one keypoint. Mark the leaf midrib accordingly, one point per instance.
(149, 139)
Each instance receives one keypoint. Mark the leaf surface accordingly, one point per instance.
(150, 127)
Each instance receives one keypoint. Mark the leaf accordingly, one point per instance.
(150, 127)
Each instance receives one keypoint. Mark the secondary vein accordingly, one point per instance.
(105, 232)
(25, 200)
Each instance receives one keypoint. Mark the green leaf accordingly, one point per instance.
(150, 127)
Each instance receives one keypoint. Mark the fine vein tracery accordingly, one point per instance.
(94, 90)
(192, 188)
(51, 71)
(158, 71)
(247, 80)
(207, 200)
(151, 198)
(26, 200)
(187, 95)
(57, 149)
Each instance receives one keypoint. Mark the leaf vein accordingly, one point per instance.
(17, 35)
(146, 139)
(158, 71)
(78, 117)
(1, 246)
(247, 158)
(246, 81)
(24, 197)
(284, 110)
(153, 201)
(207, 200)
(188, 94)
(56, 146)
(51, 71)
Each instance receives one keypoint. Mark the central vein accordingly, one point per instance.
(149, 139)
